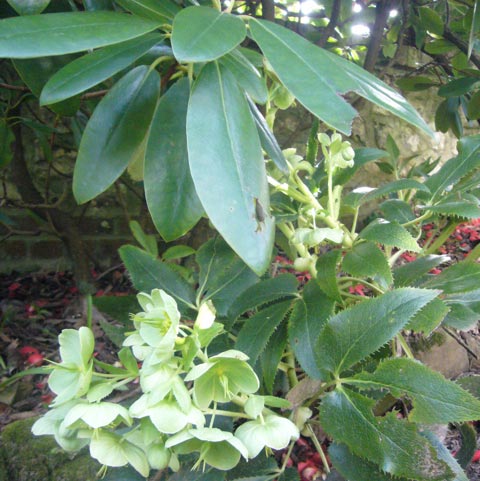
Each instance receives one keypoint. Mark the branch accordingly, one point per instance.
(461, 45)
(268, 10)
(330, 28)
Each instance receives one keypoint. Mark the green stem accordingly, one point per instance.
(291, 373)
(89, 311)
(319, 449)
(364, 282)
(441, 239)
(405, 346)
(474, 254)
(423, 217)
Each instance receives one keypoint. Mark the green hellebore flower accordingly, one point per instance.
(158, 325)
(219, 449)
(273, 431)
(97, 415)
(166, 415)
(222, 377)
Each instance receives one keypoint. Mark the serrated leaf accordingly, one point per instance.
(149, 273)
(280, 287)
(327, 274)
(267, 139)
(389, 234)
(171, 197)
(411, 272)
(458, 278)
(259, 466)
(396, 210)
(223, 275)
(61, 33)
(93, 68)
(461, 208)
(367, 260)
(28, 7)
(355, 333)
(325, 77)
(227, 166)
(394, 186)
(246, 74)
(471, 383)
(202, 34)
(115, 132)
(435, 399)
(454, 169)
(308, 316)
(429, 317)
(394, 445)
(160, 10)
(258, 329)
(464, 309)
(354, 467)
(272, 356)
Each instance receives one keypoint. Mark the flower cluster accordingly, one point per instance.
(184, 393)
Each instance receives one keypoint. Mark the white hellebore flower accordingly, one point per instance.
(273, 431)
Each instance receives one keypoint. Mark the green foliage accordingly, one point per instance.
(223, 330)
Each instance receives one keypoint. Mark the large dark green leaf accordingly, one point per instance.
(475, 26)
(355, 333)
(327, 274)
(308, 317)
(227, 166)
(248, 77)
(318, 78)
(257, 330)
(267, 139)
(6, 139)
(367, 260)
(202, 34)
(115, 132)
(93, 68)
(467, 208)
(428, 318)
(160, 10)
(60, 33)
(171, 197)
(150, 273)
(223, 275)
(355, 467)
(283, 286)
(272, 355)
(435, 399)
(458, 278)
(394, 445)
(454, 169)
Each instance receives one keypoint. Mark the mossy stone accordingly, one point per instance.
(30, 458)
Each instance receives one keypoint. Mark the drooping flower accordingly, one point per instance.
(222, 377)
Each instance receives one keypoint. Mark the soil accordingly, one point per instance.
(34, 308)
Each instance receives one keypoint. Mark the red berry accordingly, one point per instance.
(35, 359)
(28, 351)
(476, 456)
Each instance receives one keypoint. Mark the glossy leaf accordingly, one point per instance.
(389, 234)
(149, 273)
(171, 197)
(223, 275)
(160, 10)
(227, 166)
(457, 87)
(93, 68)
(266, 291)
(115, 132)
(435, 399)
(247, 76)
(355, 333)
(410, 273)
(267, 139)
(324, 77)
(258, 329)
(202, 34)
(454, 169)
(429, 317)
(367, 260)
(61, 33)
(308, 316)
(394, 445)
(355, 467)
(28, 7)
